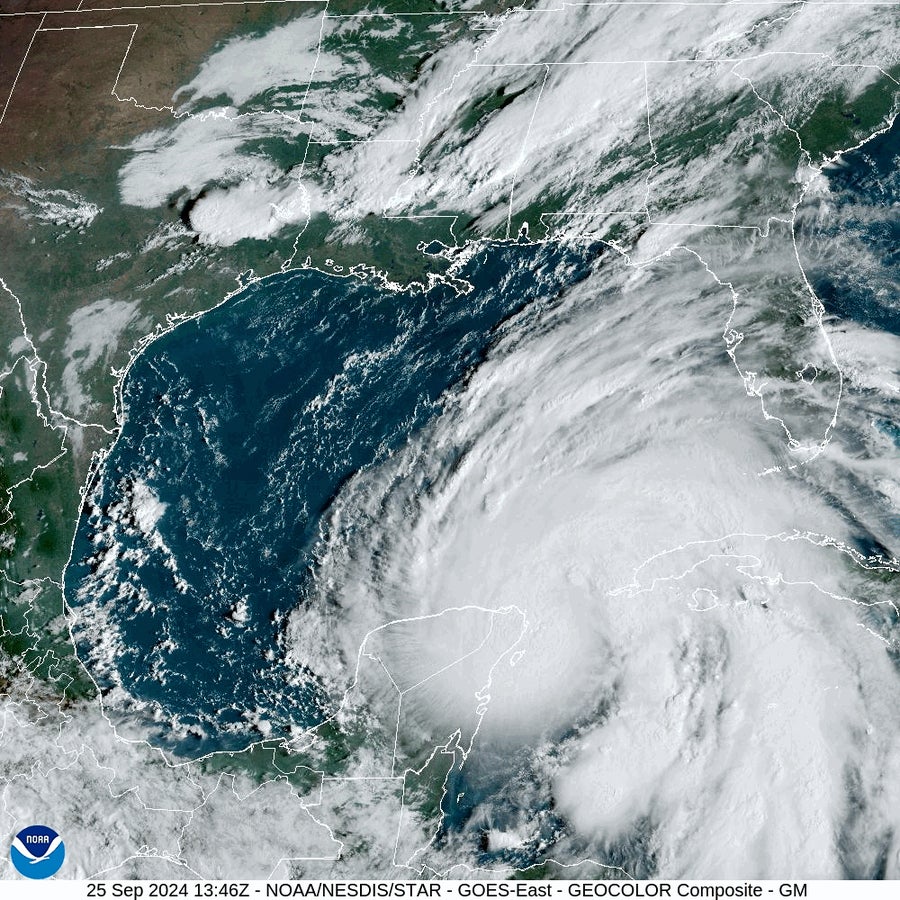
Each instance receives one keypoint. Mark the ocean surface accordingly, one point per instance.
(855, 263)
(850, 246)
(241, 426)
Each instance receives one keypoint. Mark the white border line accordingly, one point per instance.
(700, 4)
(21, 66)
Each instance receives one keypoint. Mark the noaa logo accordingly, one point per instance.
(37, 851)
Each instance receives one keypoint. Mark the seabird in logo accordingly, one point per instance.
(37, 851)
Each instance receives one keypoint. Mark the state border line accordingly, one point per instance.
(700, 4)
(21, 66)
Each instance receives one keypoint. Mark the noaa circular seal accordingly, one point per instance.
(37, 852)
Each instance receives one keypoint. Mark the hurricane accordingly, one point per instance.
(533, 510)
(692, 651)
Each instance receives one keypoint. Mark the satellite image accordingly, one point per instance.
(450, 439)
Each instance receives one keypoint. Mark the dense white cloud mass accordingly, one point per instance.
(246, 67)
(607, 482)
(610, 604)
(251, 209)
(586, 88)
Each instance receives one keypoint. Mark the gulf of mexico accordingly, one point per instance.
(241, 426)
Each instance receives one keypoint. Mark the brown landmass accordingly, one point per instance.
(64, 129)
(35, 7)
(62, 111)
(16, 34)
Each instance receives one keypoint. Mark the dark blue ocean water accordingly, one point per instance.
(245, 423)
(850, 247)
(859, 276)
